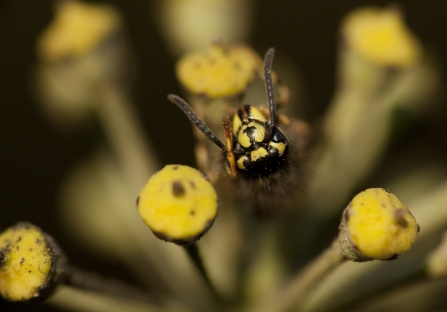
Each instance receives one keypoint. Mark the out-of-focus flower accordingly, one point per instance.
(80, 51)
(376, 225)
(77, 28)
(381, 37)
(362, 117)
(220, 71)
(178, 204)
(30, 263)
(190, 25)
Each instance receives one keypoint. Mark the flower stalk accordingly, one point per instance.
(292, 295)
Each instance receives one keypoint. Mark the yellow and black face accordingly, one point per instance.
(254, 146)
(257, 152)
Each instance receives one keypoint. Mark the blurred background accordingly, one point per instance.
(36, 156)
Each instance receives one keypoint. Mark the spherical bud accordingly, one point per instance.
(178, 204)
(376, 225)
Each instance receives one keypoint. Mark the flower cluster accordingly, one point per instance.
(236, 233)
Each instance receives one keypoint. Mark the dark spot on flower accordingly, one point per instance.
(346, 215)
(29, 271)
(192, 212)
(2, 255)
(193, 185)
(400, 218)
(175, 167)
(178, 189)
(37, 241)
(355, 247)
(419, 228)
(21, 261)
(19, 239)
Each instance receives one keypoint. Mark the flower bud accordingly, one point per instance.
(376, 226)
(220, 71)
(381, 37)
(80, 51)
(31, 264)
(178, 204)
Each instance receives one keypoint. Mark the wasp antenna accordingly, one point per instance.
(269, 85)
(181, 103)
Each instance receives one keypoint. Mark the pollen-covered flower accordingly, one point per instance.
(220, 71)
(178, 204)
(376, 225)
(29, 263)
(381, 37)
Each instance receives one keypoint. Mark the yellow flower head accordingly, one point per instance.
(376, 225)
(381, 37)
(77, 29)
(178, 204)
(220, 71)
(26, 262)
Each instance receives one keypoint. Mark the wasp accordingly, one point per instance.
(264, 152)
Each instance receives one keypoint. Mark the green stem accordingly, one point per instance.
(134, 152)
(92, 281)
(296, 291)
(193, 252)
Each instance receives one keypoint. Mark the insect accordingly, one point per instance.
(264, 153)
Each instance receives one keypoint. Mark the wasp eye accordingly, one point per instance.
(278, 136)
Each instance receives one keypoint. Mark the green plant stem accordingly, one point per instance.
(413, 280)
(137, 158)
(294, 293)
(91, 281)
(73, 299)
(193, 252)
